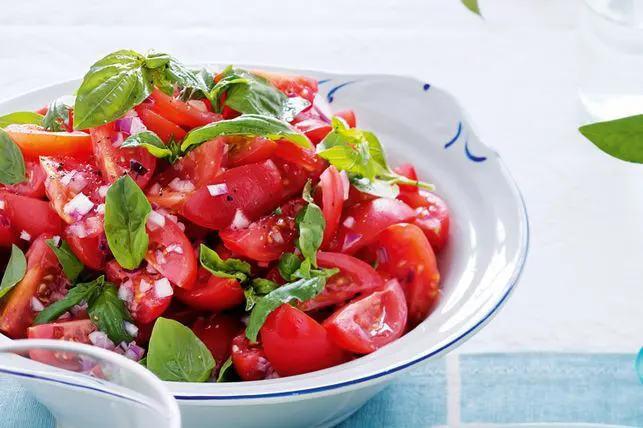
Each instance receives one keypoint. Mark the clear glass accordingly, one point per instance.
(87, 386)
(611, 60)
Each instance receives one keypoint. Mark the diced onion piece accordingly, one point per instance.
(134, 352)
(349, 222)
(78, 206)
(174, 248)
(218, 189)
(126, 292)
(163, 288)
(382, 255)
(118, 141)
(36, 304)
(350, 238)
(155, 220)
(56, 240)
(100, 339)
(130, 328)
(2, 205)
(184, 186)
(276, 236)
(102, 191)
(144, 286)
(100, 208)
(150, 269)
(68, 177)
(25, 236)
(240, 221)
(346, 185)
(160, 257)
(155, 189)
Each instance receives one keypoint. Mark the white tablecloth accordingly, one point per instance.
(515, 72)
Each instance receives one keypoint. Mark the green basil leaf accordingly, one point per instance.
(264, 286)
(472, 5)
(57, 117)
(12, 163)
(310, 223)
(620, 138)
(176, 354)
(204, 76)
(109, 314)
(72, 267)
(380, 188)
(301, 290)
(83, 292)
(21, 118)
(126, 213)
(14, 272)
(112, 87)
(251, 298)
(156, 60)
(246, 125)
(224, 372)
(143, 361)
(230, 268)
(153, 143)
(185, 78)
(288, 265)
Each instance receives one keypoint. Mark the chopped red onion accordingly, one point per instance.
(56, 240)
(323, 108)
(160, 257)
(155, 189)
(349, 222)
(68, 177)
(218, 189)
(100, 339)
(130, 328)
(118, 140)
(25, 236)
(144, 286)
(276, 236)
(155, 220)
(184, 186)
(382, 255)
(36, 304)
(351, 238)
(240, 221)
(181, 226)
(78, 310)
(163, 288)
(346, 185)
(102, 191)
(126, 291)
(150, 269)
(78, 206)
(2, 205)
(134, 352)
(174, 248)
(64, 317)
(100, 208)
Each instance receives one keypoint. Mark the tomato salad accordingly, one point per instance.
(213, 226)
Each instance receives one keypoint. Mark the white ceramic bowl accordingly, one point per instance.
(489, 236)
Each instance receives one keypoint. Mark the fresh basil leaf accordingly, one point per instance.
(305, 270)
(224, 372)
(310, 223)
(143, 361)
(57, 117)
(155, 60)
(185, 78)
(14, 272)
(153, 143)
(251, 298)
(264, 286)
(380, 188)
(72, 267)
(126, 213)
(83, 292)
(207, 78)
(21, 118)
(230, 268)
(109, 314)
(158, 77)
(12, 163)
(176, 354)
(620, 138)
(472, 5)
(112, 87)
(301, 290)
(166, 71)
(288, 265)
(250, 125)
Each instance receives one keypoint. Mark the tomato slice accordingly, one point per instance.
(305, 158)
(212, 293)
(34, 187)
(35, 141)
(243, 151)
(370, 322)
(249, 360)
(291, 84)
(33, 216)
(175, 184)
(164, 128)
(269, 237)
(7, 235)
(217, 332)
(432, 216)
(333, 191)
(115, 162)
(88, 242)
(179, 112)
(243, 195)
(293, 178)
(145, 301)
(295, 343)
(73, 331)
(312, 125)
(348, 116)
(355, 276)
(404, 253)
(43, 284)
(170, 251)
(362, 222)
(407, 170)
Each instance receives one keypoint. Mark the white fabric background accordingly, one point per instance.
(515, 72)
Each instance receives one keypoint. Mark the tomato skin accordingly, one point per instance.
(348, 116)
(243, 151)
(269, 237)
(355, 276)
(293, 178)
(92, 249)
(368, 219)
(407, 170)
(249, 360)
(212, 293)
(34, 187)
(179, 112)
(35, 141)
(294, 343)
(7, 235)
(332, 187)
(74, 331)
(31, 215)
(246, 186)
(170, 252)
(291, 84)
(408, 257)
(217, 332)
(164, 128)
(44, 280)
(370, 322)
(305, 158)
(432, 216)
(312, 125)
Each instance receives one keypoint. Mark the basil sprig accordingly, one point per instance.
(153, 143)
(14, 272)
(176, 354)
(21, 118)
(472, 5)
(57, 117)
(12, 163)
(621, 138)
(126, 213)
(72, 267)
(310, 222)
(257, 290)
(361, 155)
(229, 268)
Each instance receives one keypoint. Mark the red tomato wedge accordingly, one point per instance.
(34, 187)
(43, 284)
(249, 360)
(73, 331)
(217, 332)
(348, 116)
(312, 125)
(432, 216)
(170, 251)
(362, 222)
(212, 293)
(34, 216)
(404, 253)
(35, 141)
(269, 237)
(291, 84)
(7, 235)
(179, 112)
(294, 343)
(370, 322)
(355, 276)
(244, 194)
(164, 128)
(407, 170)
(243, 150)
(87, 241)
(333, 191)
(304, 158)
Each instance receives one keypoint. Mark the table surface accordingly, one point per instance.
(515, 72)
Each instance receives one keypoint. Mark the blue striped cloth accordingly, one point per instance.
(486, 388)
